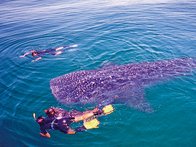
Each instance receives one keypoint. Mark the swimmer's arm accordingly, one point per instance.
(66, 47)
(59, 48)
(44, 133)
(47, 135)
(27, 53)
(39, 58)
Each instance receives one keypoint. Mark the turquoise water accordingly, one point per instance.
(106, 32)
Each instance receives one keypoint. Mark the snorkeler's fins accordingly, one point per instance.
(108, 109)
(91, 124)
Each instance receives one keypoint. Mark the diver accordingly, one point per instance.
(52, 51)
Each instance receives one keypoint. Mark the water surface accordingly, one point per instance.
(106, 32)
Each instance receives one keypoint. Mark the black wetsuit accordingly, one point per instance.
(51, 51)
(47, 51)
(55, 124)
(58, 124)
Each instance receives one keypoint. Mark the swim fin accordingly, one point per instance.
(108, 109)
(91, 124)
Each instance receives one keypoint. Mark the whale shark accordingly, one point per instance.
(117, 83)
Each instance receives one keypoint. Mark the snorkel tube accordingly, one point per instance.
(34, 116)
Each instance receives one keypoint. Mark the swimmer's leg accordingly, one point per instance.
(72, 46)
(66, 130)
(58, 53)
(59, 48)
(39, 58)
(80, 129)
(66, 47)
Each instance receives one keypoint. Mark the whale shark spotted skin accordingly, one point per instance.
(117, 83)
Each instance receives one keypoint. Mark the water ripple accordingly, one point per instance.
(116, 32)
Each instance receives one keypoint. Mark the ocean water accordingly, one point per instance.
(108, 31)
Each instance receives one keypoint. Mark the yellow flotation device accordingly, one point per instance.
(108, 109)
(91, 124)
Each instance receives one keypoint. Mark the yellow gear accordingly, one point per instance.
(91, 124)
(108, 109)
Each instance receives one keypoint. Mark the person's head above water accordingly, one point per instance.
(40, 120)
(50, 112)
(34, 53)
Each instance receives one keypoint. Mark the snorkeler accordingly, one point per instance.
(52, 51)
(59, 119)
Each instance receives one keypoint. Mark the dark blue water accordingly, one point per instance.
(116, 32)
